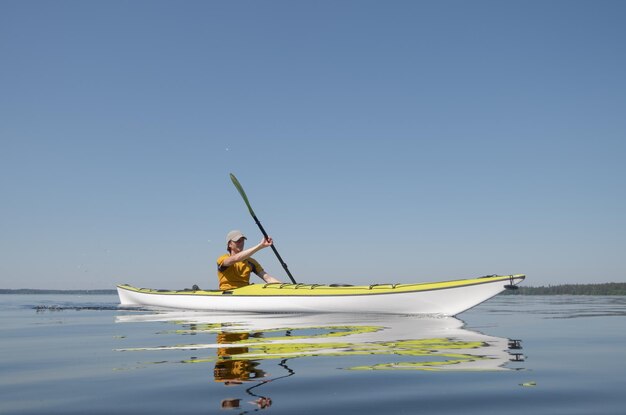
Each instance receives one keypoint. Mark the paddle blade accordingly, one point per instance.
(242, 193)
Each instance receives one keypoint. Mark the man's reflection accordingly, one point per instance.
(232, 371)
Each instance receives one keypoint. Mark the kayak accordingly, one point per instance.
(446, 298)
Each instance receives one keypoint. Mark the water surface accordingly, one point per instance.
(513, 354)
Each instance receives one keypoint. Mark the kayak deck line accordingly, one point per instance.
(314, 290)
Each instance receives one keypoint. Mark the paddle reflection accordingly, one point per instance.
(247, 345)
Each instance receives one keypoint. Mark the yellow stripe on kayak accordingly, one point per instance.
(279, 289)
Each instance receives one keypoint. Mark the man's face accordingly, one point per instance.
(237, 246)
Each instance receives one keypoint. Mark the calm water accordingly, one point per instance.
(80, 354)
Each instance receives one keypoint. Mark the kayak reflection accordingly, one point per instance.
(243, 341)
(242, 347)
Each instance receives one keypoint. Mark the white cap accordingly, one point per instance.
(234, 236)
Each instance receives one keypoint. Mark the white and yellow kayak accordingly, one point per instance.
(447, 298)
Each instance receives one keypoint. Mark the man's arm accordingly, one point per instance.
(268, 278)
(247, 253)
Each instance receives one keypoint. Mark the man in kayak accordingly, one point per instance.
(234, 268)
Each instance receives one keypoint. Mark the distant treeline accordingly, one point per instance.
(33, 291)
(611, 288)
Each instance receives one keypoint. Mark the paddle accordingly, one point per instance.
(245, 199)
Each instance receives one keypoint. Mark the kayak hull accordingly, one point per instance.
(447, 298)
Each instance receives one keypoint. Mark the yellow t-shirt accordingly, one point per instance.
(238, 274)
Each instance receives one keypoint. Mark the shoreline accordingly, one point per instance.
(610, 288)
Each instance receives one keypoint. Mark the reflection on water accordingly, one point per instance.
(558, 306)
(237, 345)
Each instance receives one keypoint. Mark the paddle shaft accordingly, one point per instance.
(274, 249)
(258, 223)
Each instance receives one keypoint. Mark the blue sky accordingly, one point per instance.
(378, 141)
